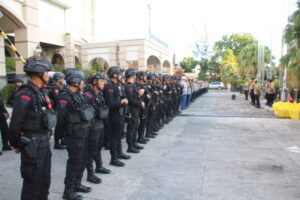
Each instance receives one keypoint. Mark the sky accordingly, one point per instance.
(180, 23)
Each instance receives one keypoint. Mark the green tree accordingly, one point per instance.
(236, 42)
(292, 58)
(188, 64)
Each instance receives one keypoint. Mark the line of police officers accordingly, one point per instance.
(133, 104)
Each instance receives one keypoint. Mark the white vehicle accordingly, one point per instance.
(216, 85)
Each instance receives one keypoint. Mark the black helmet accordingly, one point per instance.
(129, 73)
(74, 76)
(139, 74)
(37, 64)
(149, 75)
(113, 70)
(98, 76)
(18, 80)
(58, 75)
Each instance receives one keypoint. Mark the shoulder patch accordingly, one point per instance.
(24, 99)
(89, 95)
(62, 103)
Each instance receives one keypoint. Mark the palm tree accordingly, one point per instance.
(292, 39)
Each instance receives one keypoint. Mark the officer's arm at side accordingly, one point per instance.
(20, 108)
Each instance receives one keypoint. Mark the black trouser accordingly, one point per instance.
(142, 127)
(252, 96)
(257, 102)
(3, 128)
(116, 129)
(150, 121)
(98, 158)
(57, 135)
(95, 142)
(77, 153)
(246, 94)
(36, 172)
(132, 128)
(175, 105)
(107, 130)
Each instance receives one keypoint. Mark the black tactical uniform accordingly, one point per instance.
(143, 112)
(53, 94)
(74, 115)
(32, 118)
(3, 125)
(116, 118)
(13, 92)
(96, 133)
(151, 107)
(134, 104)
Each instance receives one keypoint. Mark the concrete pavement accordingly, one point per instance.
(218, 149)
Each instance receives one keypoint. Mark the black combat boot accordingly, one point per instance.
(139, 147)
(69, 193)
(117, 163)
(122, 155)
(81, 188)
(91, 177)
(149, 135)
(132, 150)
(102, 170)
(99, 168)
(142, 140)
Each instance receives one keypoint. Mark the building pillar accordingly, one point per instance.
(27, 39)
(2, 63)
(69, 51)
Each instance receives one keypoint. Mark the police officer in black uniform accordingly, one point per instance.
(116, 115)
(56, 88)
(141, 85)
(32, 118)
(135, 103)
(11, 94)
(4, 115)
(94, 95)
(74, 116)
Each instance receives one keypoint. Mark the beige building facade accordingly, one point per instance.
(65, 34)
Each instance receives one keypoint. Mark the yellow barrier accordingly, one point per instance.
(287, 110)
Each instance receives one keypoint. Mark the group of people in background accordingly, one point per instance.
(254, 90)
(87, 114)
(190, 87)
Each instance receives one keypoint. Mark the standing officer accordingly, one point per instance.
(116, 115)
(32, 119)
(251, 91)
(135, 104)
(256, 94)
(143, 92)
(74, 116)
(95, 97)
(58, 79)
(151, 106)
(4, 115)
(11, 94)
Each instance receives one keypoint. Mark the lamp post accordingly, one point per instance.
(149, 28)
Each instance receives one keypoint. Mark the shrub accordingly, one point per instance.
(6, 90)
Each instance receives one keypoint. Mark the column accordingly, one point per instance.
(27, 39)
(2, 63)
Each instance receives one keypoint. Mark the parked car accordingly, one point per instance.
(216, 85)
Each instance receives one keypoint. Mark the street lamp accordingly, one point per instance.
(149, 8)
